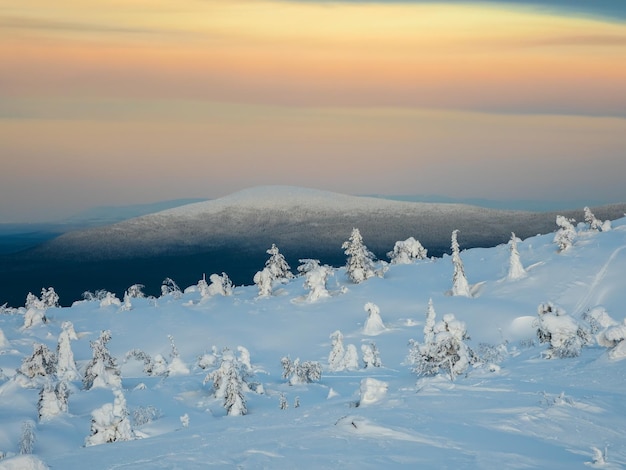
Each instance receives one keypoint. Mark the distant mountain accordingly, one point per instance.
(231, 234)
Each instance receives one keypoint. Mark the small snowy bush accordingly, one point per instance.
(371, 356)
(145, 415)
(220, 285)
(27, 440)
(102, 370)
(169, 287)
(42, 363)
(407, 251)
(229, 383)
(300, 373)
(564, 335)
(516, 269)
(340, 357)
(52, 400)
(594, 224)
(110, 422)
(444, 347)
(374, 324)
(316, 277)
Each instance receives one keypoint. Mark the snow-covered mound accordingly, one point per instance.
(391, 372)
(294, 217)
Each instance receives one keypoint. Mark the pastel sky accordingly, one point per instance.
(128, 101)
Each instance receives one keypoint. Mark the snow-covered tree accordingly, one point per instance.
(66, 366)
(111, 422)
(516, 269)
(282, 402)
(335, 358)
(565, 235)
(316, 277)
(109, 298)
(52, 400)
(594, 224)
(136, 291)
(220, 285)
(142, 356)
(614, 337)
(563, 333)
(229, 383)
(102, 370)
(42, 363)
(459, 281)
(176, 365)
(36, 308)
(263, 280)
(281, 272)
(300, 373)
(169, 287)
(374, 324)
(429, 324)
(371, 356)
(360, 261)
(27, 439)
(276, 271)
(407, 251)
(340, 357)
(444, 351)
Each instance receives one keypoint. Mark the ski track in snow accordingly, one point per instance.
(584, 301)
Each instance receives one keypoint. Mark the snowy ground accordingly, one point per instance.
(516, 409)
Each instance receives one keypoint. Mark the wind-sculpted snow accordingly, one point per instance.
(511, 407)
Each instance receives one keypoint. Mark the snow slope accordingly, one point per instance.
(515, 409)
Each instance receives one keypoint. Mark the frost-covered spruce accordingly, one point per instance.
(52, 400)
(66, 366)
(276, 270)
(42, 363)
(371, 356)
(360, 261)
(264, 281)
(229, 383)
(562, 332)
(102, 370)
(27, 439)
(407, 251)
(460, 286)
(516, 269)
(176, 365)
(111, 422)
(340, 357)
(444, 348)
(300, 373)
(594, 224)
(565, 235)
(316, 277)
(613, 336)
(374, 324)
(36, 308)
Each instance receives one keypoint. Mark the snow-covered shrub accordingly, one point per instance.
(444, 347)
(594, 224)
(220, 285)
(176, 365)
(371, 356)
(136, 291)
(562, 332)
(169, 287)
(52, 400)
(516, 269)
(407, 251)
(598, 319)
(360, 262)
(492, 354)
(36, 307)
(42, 363)
(565, 235)
(263, 280)
(614, 337)
(102, 370)
(300, 373)
(142, 356)
(371, 391)
(27, 439)
(374, 324)
(110, 422)
(108, 299)
(459, 281)
(282, 402)
(66, 366)
(316, 277)
(145, 415)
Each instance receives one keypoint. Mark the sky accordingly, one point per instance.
(113, 102)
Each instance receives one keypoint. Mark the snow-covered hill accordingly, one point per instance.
(294, 217)
(512, 408)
